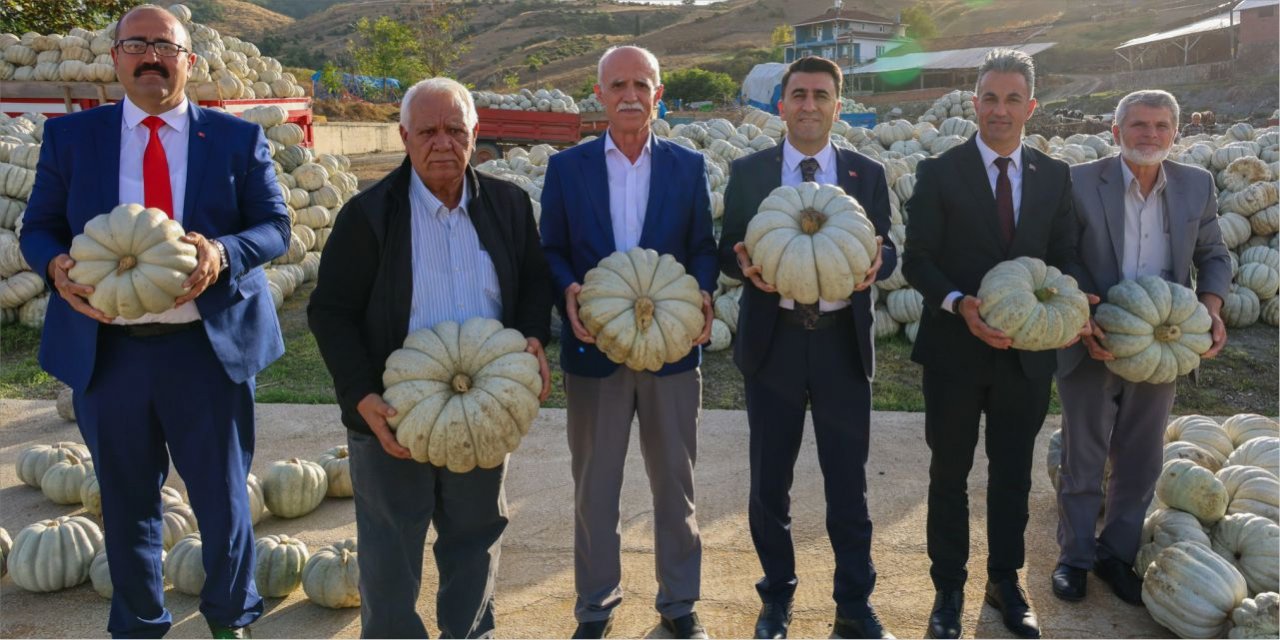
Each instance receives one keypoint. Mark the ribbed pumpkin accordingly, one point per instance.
(257, 503)
(184, 567)
(134, 260)
(1201, 431)
(1036, 305)
(177, 521)
(100, 575)
(36, 459)
(294, 487)
(91, 495)
(1155, 329)
(1257, 617)
(721, 337)
(1191, 590)
(331, 577)
(1187, 486)
(1251, 490)
(66, 405)
(170, 496)
(642, 308)
(812, 242)
(1163, 528)
(1244, 427)
(61, 483)
(1188, 451)
(280, 560)
(727, 307)
(1258, 452)
(464, 394)
(1252, 544)
(51, 555)
(6, 549)
(337, 467)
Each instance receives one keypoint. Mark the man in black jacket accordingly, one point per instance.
(432, 242)
(823, 360)
(988, 200)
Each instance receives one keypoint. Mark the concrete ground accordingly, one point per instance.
(535, 583)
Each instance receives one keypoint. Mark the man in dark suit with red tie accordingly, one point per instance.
(983, 202)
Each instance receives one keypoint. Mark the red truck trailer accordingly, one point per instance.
(501, 128)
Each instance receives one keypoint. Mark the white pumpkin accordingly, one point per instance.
(55, 554)
(1252, 544)
(61, 483)
(643, 309)
(91, 495)
(1156, 330)
(1195, 453)
(279, 562)
(36, 459)
(1203, 432)
(1258, 452)
(331, 577)
(1246, 426)
(336, 463)
(170, 496)
(1189, 487)
(184, 567)
(1036, 305)
(464, 395)
(1163, 528)
(134, 260)
(1257, 617)
(1251, 490)
(177, 522)
(6, 549)
(294, 487)
(257, 503)
(100, 575)
(1192, 591)
(721, 337)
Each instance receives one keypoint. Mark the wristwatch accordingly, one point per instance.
(222, 253)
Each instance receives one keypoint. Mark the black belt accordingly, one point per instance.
(151, 329)
(825, 320)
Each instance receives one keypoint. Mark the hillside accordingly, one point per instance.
(238, 18)
(729, 36)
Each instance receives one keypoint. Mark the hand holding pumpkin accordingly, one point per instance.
(751, 271)
(375, 412)
(968, 309)
(571, 310)
(1219, 329)
(535, 347)
(76, 295)
(208, 266)
(874, 269)
(709, 314)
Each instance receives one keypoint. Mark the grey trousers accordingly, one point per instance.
(395, 502)
(600, 413)
(1105, 416)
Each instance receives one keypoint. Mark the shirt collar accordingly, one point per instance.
(1131, 180)
(610, 146)
(792, 156)
(176, 117)
(989, 155)
(422, 194)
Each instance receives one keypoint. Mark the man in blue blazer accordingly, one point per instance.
(820, 356)
(175, 384)
(629, 189)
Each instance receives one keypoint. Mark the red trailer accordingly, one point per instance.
(501, 128)
(54, 99)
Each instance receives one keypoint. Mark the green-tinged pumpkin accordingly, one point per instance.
(1252, 544)
(91, 495)
(36, 459)
(1251, 490)
(294, 487)
(1156, 330)
(184, 567)
(100, 575)
(257, 503)
(61, 483)
(134, 260)
(55, 554)
(280, 560)
(1257, 617)
(1192, 488)
(1163, 528)
(1195, 453)
(331, 577)
(1036, 305)
(1192, 591)
(336, 463)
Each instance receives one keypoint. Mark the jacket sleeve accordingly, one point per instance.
(1213, 264)
(702, 240)
(736, 215)
(926, 235)
(46, 233)
(533, 307)
(336, 311)
(555, 232)
(267, 225)
(880, 215)
(1080, 271)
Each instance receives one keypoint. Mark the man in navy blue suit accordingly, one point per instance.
(179, 383)
(630, 189)
(819, 355)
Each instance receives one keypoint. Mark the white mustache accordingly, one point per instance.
(630, 106)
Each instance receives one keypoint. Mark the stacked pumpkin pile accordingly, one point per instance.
(66, 551)
(956, 104)
(849, 105)
(526, 100)
(590, 104)
(226, 67)
(22, 292)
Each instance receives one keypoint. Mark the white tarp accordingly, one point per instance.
(760, 84)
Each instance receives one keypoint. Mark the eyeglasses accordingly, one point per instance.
(139, 47)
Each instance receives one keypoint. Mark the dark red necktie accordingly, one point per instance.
(1004, 201)
(156, 190)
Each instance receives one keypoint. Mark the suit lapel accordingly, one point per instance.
(846, 177)
(659, 156)
(974, 173)
(1111, 192)
(197, 151)
(595, 179)
(773, 177)
(108, 141)
(1033, 210)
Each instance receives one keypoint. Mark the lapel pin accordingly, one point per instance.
(200, 134)
(1031, 167)
(853, 174)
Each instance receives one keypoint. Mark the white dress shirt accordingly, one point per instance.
(628, 192)
(1014, 172)
(1146, 229)
(133, 143)
(453, 276)
(791, 176)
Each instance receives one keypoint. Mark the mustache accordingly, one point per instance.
(630, 106)
(145, 67)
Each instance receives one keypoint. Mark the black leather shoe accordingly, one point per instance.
(867, 626)
(1124, 582)
(594, 628)
(944, 622)
(1069, 583)
(229, 632)
(775, 618)
(1010, 600)
(686, 626)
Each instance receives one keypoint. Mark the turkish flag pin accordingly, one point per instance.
(853, 174)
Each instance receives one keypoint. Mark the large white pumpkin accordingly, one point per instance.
(1156, 330)
(336, 463)
(279, 565)
(1258, 452)
(812, 242)
(1192, 591)
(1251, 490)
(177, 522)
(1203, 432)
(51, 555)
(257, 503)
(1244, 427)
(643, 309)
(184, 566)
(1036, 305)
(134, 260)
(294, 487)
(1252, 544)
(331, 577)
(1192, 488)
(35, 460)
(61, 483)
(1163, 528)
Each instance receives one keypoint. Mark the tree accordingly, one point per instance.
(694, 84)
(331, 80)
(920, 25)
(440, 39)
(511, 80)
(387, 49)
(60, 16)
(535, 61)
(782, 35)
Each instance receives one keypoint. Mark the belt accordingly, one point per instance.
(151, 329)
(825, 320)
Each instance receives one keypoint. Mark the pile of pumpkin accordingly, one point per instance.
(63, 552)
(226, 67)
(590, 104)
(956, 104)
(22, 292)
(526, 100)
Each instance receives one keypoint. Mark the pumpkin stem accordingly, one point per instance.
(1044, 294)
(644, 312)
(462, 383)
(126, 263)
(1168, 333)
(811, 221)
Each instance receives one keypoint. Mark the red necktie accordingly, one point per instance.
(1004, 201)
(156, 190)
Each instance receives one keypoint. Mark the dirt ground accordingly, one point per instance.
(535, 582)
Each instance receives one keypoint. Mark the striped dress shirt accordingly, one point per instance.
(453, 276)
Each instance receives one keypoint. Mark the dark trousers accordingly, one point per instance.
(395, 502)
(820, 369)
(151, 398)
(1015, 407)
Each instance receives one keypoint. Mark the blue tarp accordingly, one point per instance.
(361, 86)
